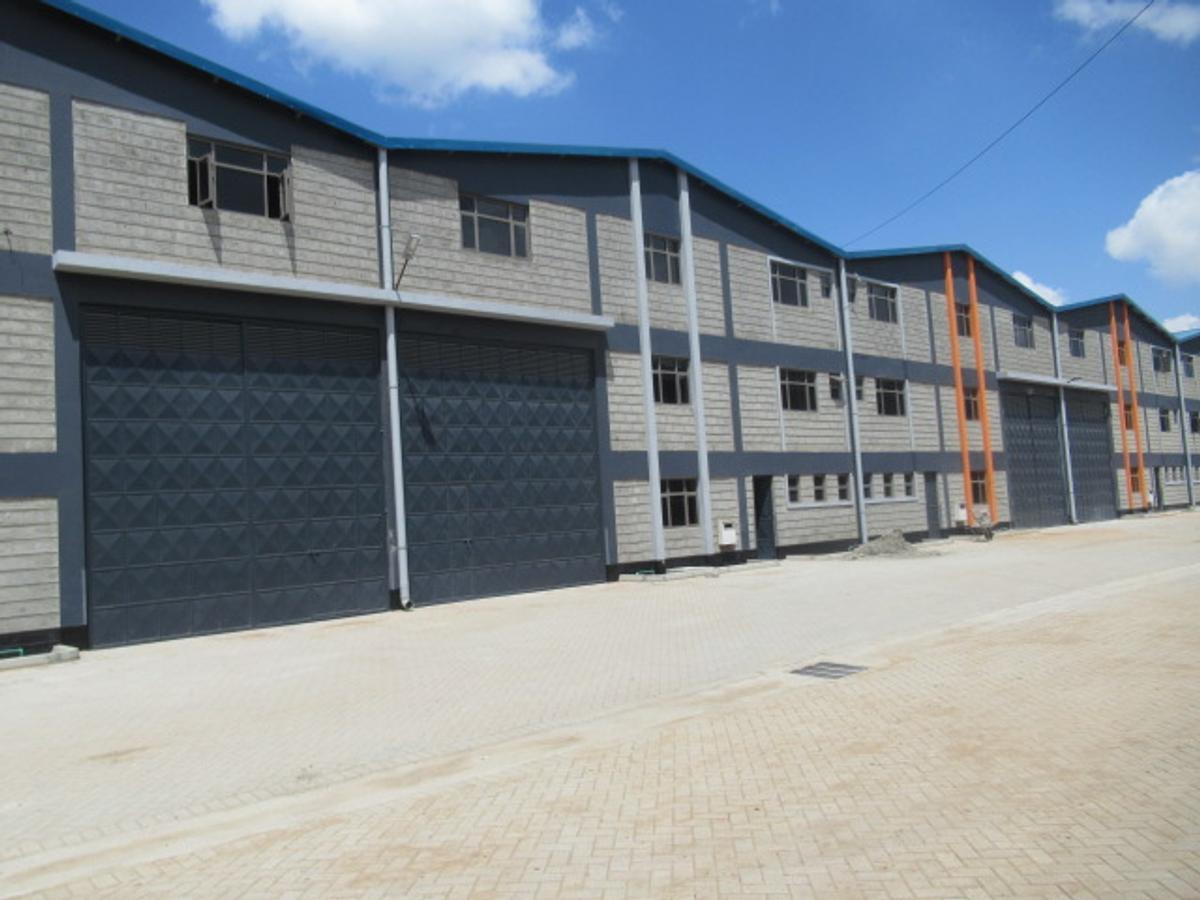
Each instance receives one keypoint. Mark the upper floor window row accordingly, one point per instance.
(881, 302)
(662, 258)
(239, 179)
(494, 226)
(1076, 338)
(1161, 360)
(1023, 331)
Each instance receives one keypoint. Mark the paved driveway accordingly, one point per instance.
(111, 754)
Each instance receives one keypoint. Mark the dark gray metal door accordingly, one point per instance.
(1037, 488)
(234, 474)
(764, 516)
(1091, 456)
(501, 468)
(933, 516)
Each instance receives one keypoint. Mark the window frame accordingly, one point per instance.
(1023, 335)
(910, 484)
(889, 485)
(667, 255)
(979, 493)
(819, 493)
(684, 491)
(1077, 338)
(1161, 362)
(1189, 365)
(1127, 417)
(885, 297)
(793, 490)
(971, 403)
(1195, 421)
(1165, 415)
(798, 383)
(798, 275)
(962, 319)
(516, 224)
(836, 387)
(891, 397)
(843, 487)
(204, 168)
(868, 478)
(671, 372)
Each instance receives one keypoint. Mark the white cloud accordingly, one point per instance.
(1165, 231)
(1185, 322)
(578, 31)
(1174, 21)
(1050, 295)
(428, 52)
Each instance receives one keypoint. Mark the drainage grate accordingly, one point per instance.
(829, 670)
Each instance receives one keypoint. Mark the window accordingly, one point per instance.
(881, 302)
(798, 390)
(859, 380)
(1189, 366)
(679, 502)
(1135, 479)
(662, 258)
(826, 285)
(888, 488)
(670, 380)
(843, 487)
(1164, 420)
(978, 487)
(1161, 360)
(962, 317)
(789, 284)
(1195, 416)
(835, 386)
(1128, 417)
(1122, 352)
(867, 479)
(910, 485)
(1078, 346)
(221, 176)
(494, 226)
(889, 397)
(1023, 331)
(971, 403)
(819, 488)
(793, 488)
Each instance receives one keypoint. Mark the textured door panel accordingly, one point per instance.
(234, 474)
(1037, 487)
(502, 481)
(1091, 456)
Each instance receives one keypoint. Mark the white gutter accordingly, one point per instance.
(383, 195)
(134, 269)
(654, 479)
(1064, 431)
(688, 260)
(851, 388)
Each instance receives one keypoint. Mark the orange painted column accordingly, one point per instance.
(1131, 357)
(960, 399)
(1116, 357)
(981, 380)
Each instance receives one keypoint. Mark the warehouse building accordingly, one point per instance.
(262, 365)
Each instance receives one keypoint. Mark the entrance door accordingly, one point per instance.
(1091, 456)
(1037, 483)
(933, 516)
(764, 516)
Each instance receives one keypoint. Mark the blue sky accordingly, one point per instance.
(834, 114)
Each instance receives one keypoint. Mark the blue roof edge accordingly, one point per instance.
(376, 139)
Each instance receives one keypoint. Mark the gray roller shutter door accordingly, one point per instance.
(234, 474)
(501, 468)
(1037, 488)
(1091, 455)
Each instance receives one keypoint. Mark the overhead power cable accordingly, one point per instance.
(1007, 131)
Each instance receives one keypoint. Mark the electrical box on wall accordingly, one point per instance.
(727, 535)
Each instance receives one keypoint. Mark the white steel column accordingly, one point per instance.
(1183, 427)
(860, 503)
(383, 194)
(688, 261)
(654, 486)
(1064, 430)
